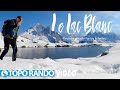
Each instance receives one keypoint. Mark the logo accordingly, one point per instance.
(4, 73)
(27, 73)
(66, 73)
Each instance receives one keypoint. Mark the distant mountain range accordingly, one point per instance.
(97, 36)
(104, 37)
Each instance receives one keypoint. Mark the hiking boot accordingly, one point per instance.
(13, 60)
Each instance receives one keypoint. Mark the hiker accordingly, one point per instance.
(9, 32)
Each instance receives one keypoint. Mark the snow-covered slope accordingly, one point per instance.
(25, 42)
(105, 67)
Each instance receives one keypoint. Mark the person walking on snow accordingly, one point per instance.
(9, 32)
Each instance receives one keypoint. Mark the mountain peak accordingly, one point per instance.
(40, 30)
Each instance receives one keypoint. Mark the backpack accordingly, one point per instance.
(9, 29)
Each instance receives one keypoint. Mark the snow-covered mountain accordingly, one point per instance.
(36, 36)
(101, 37)
(41, 32)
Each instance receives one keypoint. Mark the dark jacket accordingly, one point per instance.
(10, 31)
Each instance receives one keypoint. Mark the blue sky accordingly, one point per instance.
(46, 18)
